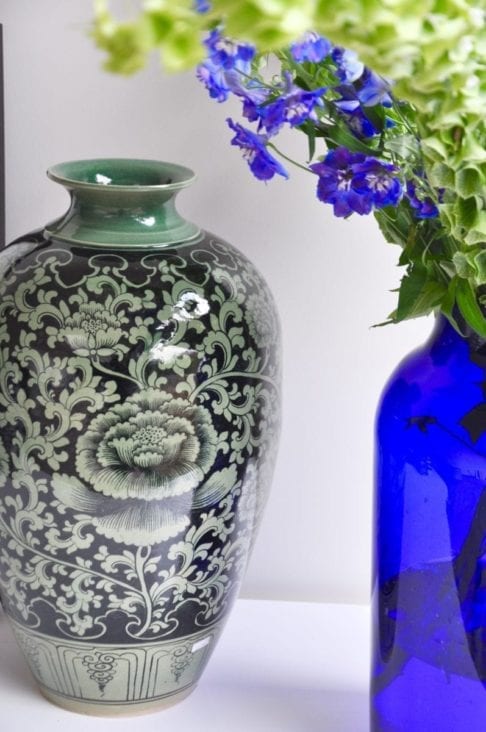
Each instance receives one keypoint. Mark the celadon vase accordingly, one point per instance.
(139, 413)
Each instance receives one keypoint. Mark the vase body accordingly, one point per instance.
(429, 667)
(139, 412)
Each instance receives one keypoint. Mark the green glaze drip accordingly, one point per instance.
(122, 203)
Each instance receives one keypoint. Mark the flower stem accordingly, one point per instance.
(140, 560)
(289, 160)
(229, 375)
(106, 370)
(261, 82)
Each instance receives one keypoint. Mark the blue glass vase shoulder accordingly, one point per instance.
(429, 666)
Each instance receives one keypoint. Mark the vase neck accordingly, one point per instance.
(122, 203)
(444, 332)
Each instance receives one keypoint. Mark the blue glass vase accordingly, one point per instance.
(429, 664)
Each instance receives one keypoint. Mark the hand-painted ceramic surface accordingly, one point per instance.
(430, 584)
(139, 407)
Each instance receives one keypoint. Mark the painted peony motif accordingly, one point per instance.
(139, 521)
(145, 465)
(152, 446)
(93, 331)
(136, 521)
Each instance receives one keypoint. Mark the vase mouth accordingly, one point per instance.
(121, 174)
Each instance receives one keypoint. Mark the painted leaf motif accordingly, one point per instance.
(133, 392)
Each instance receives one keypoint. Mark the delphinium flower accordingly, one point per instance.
(227, 66)
(262, 164)
(312, 47)
(202, 6)
(228, 54)
(348, 66)
(292, 105)
(353, 113)
(423, 206)
(372, 89)
(367, 90)
(418, 49)
(378, 181)
(253, 96)
(356, 183)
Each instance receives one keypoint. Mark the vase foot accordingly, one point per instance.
(114, 709)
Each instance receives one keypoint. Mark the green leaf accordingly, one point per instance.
(435, 148)
(311, 139)
(480, 262)
(376, 115)
(477, 235)
(395, 225)
(462, 265)
(300, 81)
(441, 175)
(391, 320)
(340, 136)
(449, 300)
(403, 146)
(418, 294)
(467, 211)
(468, 182)
(469, 307)
(471, 266)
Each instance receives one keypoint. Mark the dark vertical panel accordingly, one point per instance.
(2, 148)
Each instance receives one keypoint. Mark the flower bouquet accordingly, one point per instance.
(402, 137)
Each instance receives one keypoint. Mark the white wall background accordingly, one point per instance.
(330, 277)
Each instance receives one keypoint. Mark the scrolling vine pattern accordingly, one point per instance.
(139, 410)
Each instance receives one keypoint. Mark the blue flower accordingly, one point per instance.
(356, 183)
(378, 181)
(356, 119)
(312, 47)
(215, 80)
(250, 109)
(202, 6)
(263, 165)
(424, 207)
(372, 89)
(227, 67)
(293, 107)
(360, 125)
(369, 90)
(335, 182)
(253, 96)
(349, 67)
(228, 54)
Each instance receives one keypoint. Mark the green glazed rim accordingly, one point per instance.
(120, 174)
(122, 202)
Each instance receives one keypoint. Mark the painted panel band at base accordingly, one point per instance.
(116, 676)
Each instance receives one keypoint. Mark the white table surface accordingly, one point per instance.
(279, 667)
